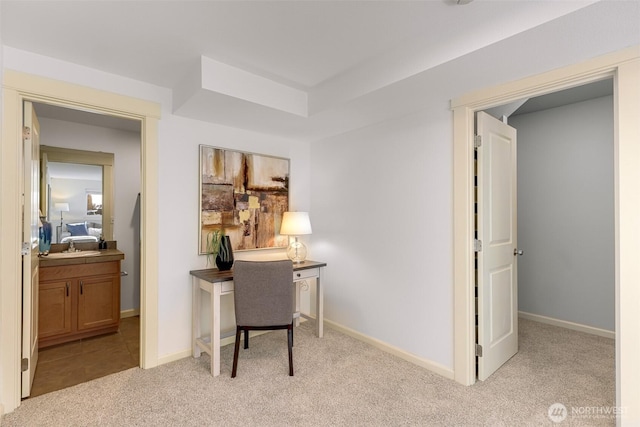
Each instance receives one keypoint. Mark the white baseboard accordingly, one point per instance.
(568, 325)
(132, 312)
(173, 357)
(424, 363)
(412, 358)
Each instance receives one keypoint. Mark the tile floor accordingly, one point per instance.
(68, 364)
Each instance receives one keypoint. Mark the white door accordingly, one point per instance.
(30, 230)
(497, 227)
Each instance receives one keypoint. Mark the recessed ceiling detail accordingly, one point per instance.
(303, 70)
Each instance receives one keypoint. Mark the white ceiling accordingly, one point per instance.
(318, 55)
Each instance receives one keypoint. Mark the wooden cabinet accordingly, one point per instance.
(54, 317)
(78, 301)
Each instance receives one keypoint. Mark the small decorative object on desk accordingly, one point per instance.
(219, 249)
(224, 259)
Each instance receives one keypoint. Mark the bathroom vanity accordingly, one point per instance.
(79, 295)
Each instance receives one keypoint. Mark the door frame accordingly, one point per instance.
(19, 87)
(624, 67)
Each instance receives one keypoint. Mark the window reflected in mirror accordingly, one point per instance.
(94, 203)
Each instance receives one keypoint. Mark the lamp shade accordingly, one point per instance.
(61, 207)
(295, 224)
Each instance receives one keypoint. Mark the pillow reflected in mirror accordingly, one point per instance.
(78, 229)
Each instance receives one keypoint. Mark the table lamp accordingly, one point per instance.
(62, 207)
(296, 224)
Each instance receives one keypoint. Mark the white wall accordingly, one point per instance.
(566, 213)
(126, 149)
(381, 195)
(383, 222)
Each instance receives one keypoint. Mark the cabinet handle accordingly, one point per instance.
(81, 287)
(67, 288)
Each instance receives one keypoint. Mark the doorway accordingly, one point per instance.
(18, 87)
(566, 208)
(565, 212)
(91, 163)
(624, 67)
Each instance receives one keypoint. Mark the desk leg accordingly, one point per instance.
(319, 308)
(195, 316)
(296, 321)
(215, 329)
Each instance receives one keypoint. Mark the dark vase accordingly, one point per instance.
(224, 259)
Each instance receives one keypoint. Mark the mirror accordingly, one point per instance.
(75, 197)
(77, 192)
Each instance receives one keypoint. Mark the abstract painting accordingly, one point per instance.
(244, 195)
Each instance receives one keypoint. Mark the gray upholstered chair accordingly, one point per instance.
(263, 296)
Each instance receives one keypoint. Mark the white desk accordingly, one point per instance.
(218, 283)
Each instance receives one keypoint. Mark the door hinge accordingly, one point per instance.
(478, 350)
(26, 248)
(477, 245)
(477, 141)
(25, 364)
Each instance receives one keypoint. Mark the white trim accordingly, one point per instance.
(624, 66)
(412, 358)
(132, 312)
(402, 354)
(18, 87)
(175, 356)
(567, 325)
(627, 231)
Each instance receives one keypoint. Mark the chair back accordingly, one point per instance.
(263, 292)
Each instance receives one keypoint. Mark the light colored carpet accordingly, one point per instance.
(340, 381)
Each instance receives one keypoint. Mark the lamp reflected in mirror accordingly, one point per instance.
(61, 207)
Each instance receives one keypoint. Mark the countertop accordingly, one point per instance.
(88, 257)
(213, 275)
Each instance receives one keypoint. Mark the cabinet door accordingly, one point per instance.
(54, 316)
(98, 302)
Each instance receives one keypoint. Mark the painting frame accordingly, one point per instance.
(243, 194)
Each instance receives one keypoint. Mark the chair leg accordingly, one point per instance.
(246, 339)
(290, 345)
(235, 352)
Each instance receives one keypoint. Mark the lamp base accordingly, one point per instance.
(297, 251)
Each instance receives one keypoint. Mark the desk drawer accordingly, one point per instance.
(306, 274)
(226, 287)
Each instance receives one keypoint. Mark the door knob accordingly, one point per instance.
(518, 252)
